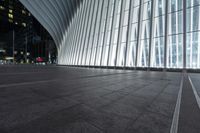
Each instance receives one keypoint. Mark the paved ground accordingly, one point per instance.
(189, 110)
(196, 81)
(40, 99)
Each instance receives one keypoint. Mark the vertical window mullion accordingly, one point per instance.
(166, 34)
(184, 34)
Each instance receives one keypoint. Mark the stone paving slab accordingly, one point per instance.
(76, 100)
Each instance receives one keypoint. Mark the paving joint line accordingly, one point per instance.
(174, 126)
(195, 92)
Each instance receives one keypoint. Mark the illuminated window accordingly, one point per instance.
(2, 8)
(10, 20)
(10, 11)
(10, 15)
(146, 35)
(23, 12)
(24, 24)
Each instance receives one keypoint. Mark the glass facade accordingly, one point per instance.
(193, 34)
(134, 33)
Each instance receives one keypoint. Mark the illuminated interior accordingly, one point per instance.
(132, 33)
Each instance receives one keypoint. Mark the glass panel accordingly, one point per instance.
(193, 19)
(157, 47)
(131, 54)
(143, 56)
(158, 52)
(191, 3)
(175, 5)
(144, 53)
(193, 34)
(175, 51)
(175, 23)
(159, 7)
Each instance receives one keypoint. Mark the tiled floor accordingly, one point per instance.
(50, 99)
(196, 81)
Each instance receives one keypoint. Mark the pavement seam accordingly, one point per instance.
(25, 83)
(45, 81)
(146, 106)
(195, 92)
(174, 126)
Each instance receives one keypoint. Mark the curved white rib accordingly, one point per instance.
(56, 17)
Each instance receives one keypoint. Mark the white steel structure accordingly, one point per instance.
(123, 33)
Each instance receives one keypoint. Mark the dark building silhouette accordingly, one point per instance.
(20, 29)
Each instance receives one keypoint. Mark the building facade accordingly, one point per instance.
(124, 33)
(15, 28)
(12, 11)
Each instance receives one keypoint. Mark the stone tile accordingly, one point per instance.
(123, 110)
(134, 101)
(115, 95)
(28, 113)
(151, 123)
(69, 120)
(162, 108)
(108, 122)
